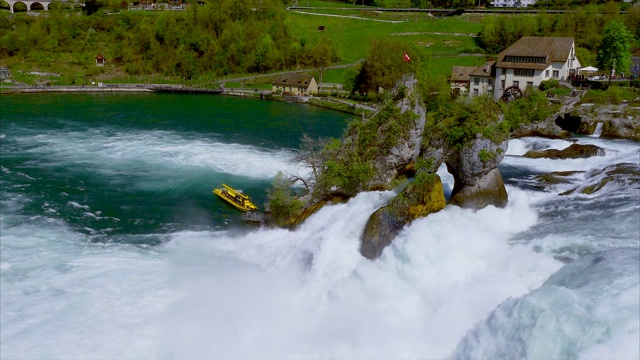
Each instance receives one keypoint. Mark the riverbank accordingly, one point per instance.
(85, 89)
(327, 103)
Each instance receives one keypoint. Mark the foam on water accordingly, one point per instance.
(154, 152)
(582, 306)
(520, 146)
(439, 289)
(615, 152)
(268, 293)
(577, 224)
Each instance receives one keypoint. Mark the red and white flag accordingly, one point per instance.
(406, 57)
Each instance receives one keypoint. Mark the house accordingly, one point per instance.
(512, 3)
(481, 79)
(5, 73)
(460, 78)
(295, 84)
(100, 60)
(531, 60)
(635, 64)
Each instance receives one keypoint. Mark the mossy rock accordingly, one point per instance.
(423, 196)
(381, 229)
(575, 151)
(420, 198)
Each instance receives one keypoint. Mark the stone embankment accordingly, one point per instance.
(85, 89)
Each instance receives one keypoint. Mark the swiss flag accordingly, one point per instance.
(406, 57)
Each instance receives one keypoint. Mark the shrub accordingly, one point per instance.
(285, 208)
(549, 84)
(459, 121)
(532, 107)
(486, 155)
(613, 95)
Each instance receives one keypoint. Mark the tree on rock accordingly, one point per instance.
(614, 52)
(384, 65)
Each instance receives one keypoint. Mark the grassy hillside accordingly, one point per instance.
(353, 37)
(440, 40)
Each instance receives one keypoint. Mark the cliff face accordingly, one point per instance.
(420, 198)
(616, 121)
(405, 151)
(473, 162)
(477, 180)
(608, 121)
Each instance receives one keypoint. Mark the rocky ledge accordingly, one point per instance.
(574, 151)
(609, 122)
(420, 198)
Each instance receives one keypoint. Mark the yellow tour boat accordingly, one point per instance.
(236, 198)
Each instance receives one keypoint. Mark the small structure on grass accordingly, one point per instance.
(100, 60)
(5, 73)
(295, 84)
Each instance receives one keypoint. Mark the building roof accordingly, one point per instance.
(552, 49)
(461, 73)
(637, 53)
(486, 70)
(99, 57)
(293, 80)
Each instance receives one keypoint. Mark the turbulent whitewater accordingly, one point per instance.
(112, 246)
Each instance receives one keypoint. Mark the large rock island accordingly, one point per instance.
(401, 147)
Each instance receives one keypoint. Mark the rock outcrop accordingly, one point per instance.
(616, 121)
(404, 152)
(610, 179)
(420, 198)
(477, 180)
(547, 129)
(574, 151)
(395, 143)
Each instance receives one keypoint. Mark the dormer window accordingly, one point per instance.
(525, 59)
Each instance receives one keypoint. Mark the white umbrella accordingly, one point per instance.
(589, 69)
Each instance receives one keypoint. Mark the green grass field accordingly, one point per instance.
(353, 37)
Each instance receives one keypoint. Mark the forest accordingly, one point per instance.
(228, 37)
(260, 37)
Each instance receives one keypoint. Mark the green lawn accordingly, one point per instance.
(353, 37)
(443, 65)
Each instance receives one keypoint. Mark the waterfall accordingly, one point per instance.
(598, 131)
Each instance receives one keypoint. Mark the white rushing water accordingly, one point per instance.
(456, 284)
(157, 152)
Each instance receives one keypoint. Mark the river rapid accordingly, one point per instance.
(113, 247)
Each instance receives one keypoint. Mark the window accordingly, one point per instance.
(524, 72)
(475, 92)
(516, 84)
(525, 59)
(529, 84)
(476, 81)
(501, 84)
(490, 81)
(556, 74)
(546, 73)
